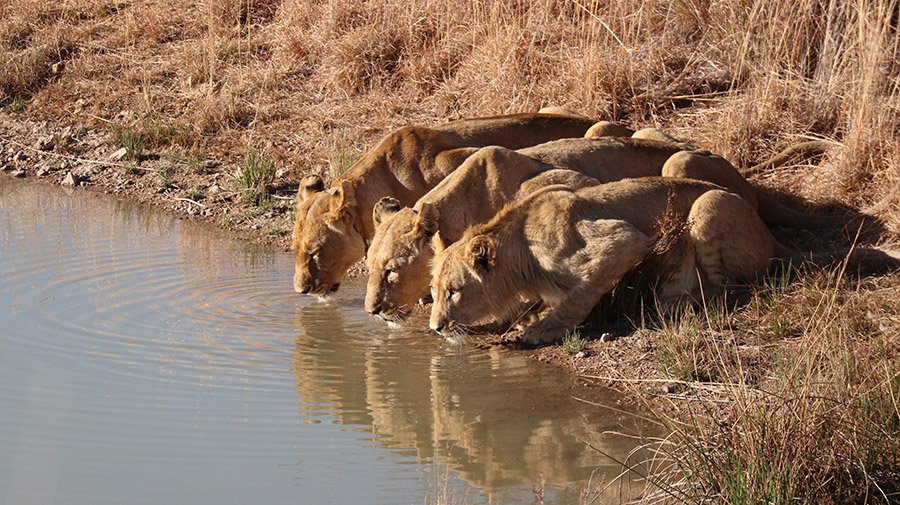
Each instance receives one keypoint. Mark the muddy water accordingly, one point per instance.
(145, 359)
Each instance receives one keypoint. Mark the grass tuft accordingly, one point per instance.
(573, 343)
(164, 174)
(131, 139)
(257, 172)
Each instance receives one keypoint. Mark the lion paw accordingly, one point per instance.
(540, 334)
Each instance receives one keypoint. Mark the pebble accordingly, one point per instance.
(607, 337)
(118, 155)
(20, 156)
(17, 173)
(70, 180)
(580, 354)
(43, 171)
(669, 388)
(44, 143)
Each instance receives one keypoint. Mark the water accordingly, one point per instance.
(144, 359)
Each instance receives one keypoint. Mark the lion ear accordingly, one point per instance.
(437, 242)
(308, 186)
(428, 219)
(384, 208)
(482, 252)
(342, 197)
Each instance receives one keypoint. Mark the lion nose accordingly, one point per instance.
(438, 327)
(375, 310)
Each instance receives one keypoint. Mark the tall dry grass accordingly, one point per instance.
(818, 420)
(742, 78)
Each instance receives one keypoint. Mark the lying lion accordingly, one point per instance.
(401, 250)
(566, 249)
(332, 226)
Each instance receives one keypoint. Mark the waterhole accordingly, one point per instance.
(149, 360)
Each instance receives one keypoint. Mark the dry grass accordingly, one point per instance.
(807, 413)
(741, 78)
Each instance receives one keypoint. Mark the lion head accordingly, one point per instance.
(399, 258)
(326, 239)
(471, 286)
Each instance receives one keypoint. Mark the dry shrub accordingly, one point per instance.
(820, 425)
(24, 71)
(228, 17)
(742, 78)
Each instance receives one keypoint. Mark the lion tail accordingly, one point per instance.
(774, 213)
(802, 151)
(855, 260)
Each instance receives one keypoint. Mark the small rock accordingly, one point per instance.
(65, 136)
(5, 166)
(607, 337)
(43, 171)
(215, 189)
(18, 173)
(44, 143)
(281, 172)
(210, 164)
(118, 155)
(57, 67)
(669, 388)
(580, 354)
(70, 180)
(20, 156)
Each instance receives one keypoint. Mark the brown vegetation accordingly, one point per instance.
(743, 79)
(808, 378)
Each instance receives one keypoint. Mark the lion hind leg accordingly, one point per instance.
(730, 241)
(705, 166)
(611, 249)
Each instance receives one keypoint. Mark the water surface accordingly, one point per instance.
(144, 359)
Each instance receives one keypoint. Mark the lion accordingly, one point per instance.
(332, 226)
(401, 248)
(567, 248)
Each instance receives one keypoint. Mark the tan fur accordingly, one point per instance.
(332, 226)
(660, 136)
(401, 249)
(608, 129)
(560, 111)
(568, 248)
